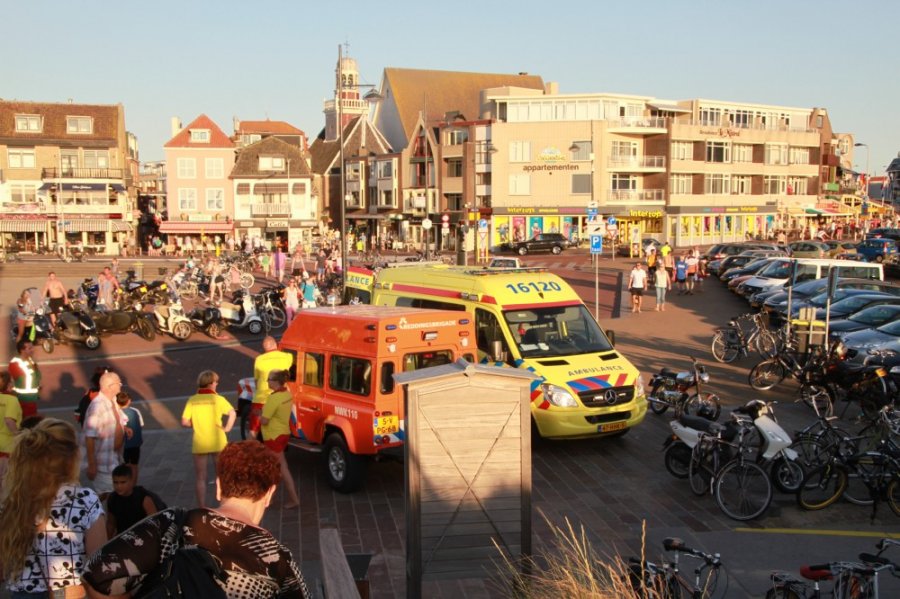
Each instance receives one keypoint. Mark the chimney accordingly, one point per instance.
(176, 126)
(551, 88)
(236, 123)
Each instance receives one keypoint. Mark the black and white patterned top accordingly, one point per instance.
(57, 554)
(256, 564)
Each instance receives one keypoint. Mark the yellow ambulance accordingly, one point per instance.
(530, 318)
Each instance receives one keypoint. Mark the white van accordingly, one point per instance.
(778, 272)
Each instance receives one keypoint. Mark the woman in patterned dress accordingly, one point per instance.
(48, 523)
(254, 562)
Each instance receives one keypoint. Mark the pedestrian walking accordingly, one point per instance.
(10, 421)
(276, 428)
(103, 435)
(663, 283)
(681, 275)
(134, 433)
(637, 284)
(270, 360)
(204, 413)
(321, 259)
(308, 289)
(291, 299)
(49, 524)
(280, 260)
(90, 394)
(26, 377)
(691, 261)
(55, 291)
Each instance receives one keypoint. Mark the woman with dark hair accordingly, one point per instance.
(48, 524)
(255, 564)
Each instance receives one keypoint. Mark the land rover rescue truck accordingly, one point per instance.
(536, 320)
(346, 404)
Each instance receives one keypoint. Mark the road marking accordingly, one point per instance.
(823, 532)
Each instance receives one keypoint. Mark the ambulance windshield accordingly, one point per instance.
(545, 332)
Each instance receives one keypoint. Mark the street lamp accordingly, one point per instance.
(866, 146)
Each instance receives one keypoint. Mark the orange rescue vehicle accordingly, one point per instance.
(346, 404)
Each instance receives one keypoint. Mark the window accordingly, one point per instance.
(96, 159)
(681, 184)
(520, 151)
(23, 193)
(314, 369)
(187, 168)
(351, 375)
(741, 185)
(215, 200)
(456, 137)
(582, 151)
(716, 184)
(200, 136)
(29, 123)
(21, 158)
(799, 155)
(250, 138)
(79, 124)
(774, 185)
(519, 185)
(271, 163)
(797, 186)
(820, 121)
(187, 199)
(386, 378)
(427, 359)
(776, 154)
(682, 150)
(624, 182)
(488, 334)
(299, 189)
(454, 168)
(742, 118)
(581, 184)
(215, 168)
(710, 116)
(243, 189)
(384, 169)
(718, 151)
(742, 153)
(624, 149)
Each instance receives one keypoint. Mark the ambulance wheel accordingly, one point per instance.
(47, 345)
(346, 472)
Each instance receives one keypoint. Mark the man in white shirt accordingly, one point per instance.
(637, 283)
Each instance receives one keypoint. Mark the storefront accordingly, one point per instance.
(198, 231)
(285, 231)
(24, 232)
(519, 224)
(704, 225)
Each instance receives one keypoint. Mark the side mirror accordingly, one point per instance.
(611, 335)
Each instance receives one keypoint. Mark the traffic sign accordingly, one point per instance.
(483, 224)
(592, 212)
(445, 218)
(611, 220)
(426, 223)
(445, 226)
(596, 244)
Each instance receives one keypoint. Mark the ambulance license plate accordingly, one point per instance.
(608, 428)
(385, 425)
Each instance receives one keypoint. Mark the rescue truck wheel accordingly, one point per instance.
(346, 472)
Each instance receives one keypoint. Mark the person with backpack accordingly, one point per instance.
(209, 553)
(128, 503)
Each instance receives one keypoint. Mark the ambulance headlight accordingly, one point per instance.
(639, 386)
(558, 396)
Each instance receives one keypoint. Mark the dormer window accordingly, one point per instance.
(79, 124)
(271, 163)
(29, 123)
(200, 136)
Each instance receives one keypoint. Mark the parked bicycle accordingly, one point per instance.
(805, 367)
(732, 341)
(665, 581)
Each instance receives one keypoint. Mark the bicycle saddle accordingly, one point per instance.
(700, 424)
(666, 371)
(817, 572)
(673, 544)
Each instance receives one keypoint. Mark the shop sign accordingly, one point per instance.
(646, 213)
(551, 154)
(276, 224)
(200, 218)
(246, 223)
(722, 132)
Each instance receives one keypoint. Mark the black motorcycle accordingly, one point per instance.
(209, 320)
(75, 325)
(873, 383)
(130, 320)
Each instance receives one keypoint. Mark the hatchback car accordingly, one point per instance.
(884, 233)
(840, 247)
(808, 249)
(542, 242)
(867, 318)
(868, 342)
(877, 249)
(854, 303)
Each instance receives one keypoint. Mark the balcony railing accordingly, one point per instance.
(82, 173)
(280, 209)
(654, 122)
(636, 195)
(754, 126)
(637, 162)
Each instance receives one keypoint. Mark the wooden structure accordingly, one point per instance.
(468, 470)
(337, 579)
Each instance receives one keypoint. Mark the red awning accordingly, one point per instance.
(178, 226)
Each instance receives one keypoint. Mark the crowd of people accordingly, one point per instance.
(74, 522)
(663, 269)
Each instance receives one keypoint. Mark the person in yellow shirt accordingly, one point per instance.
(203, 413)
(276, 428)
(271, 359)
(10, 420)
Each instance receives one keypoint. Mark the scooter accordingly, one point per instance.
(40, 330)
(171, 319)
(208, 320)
(244, 313)
(75, 325)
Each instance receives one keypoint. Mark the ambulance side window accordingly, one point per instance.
(351, 375)
(488, 330)
(387, 377)
(292, 372)
(417, 302)
(314, 369)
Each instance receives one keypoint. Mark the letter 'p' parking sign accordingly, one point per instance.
(596, 244)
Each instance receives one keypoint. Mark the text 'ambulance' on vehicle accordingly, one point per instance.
(530, 318)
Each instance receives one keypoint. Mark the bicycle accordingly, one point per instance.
(730, 342)
(664, 581)
(805, 367)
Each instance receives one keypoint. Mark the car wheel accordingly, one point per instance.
(879, 258)
(522, 250)
(345, 471)
(556, 249)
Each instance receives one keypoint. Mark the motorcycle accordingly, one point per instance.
(670, 389)
(40, 331)
(872, 382)
(245, 312)
(171, 319)
(74, 324)
(208, 320)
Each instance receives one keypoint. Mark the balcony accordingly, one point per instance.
(637, 163)
(637, 124)
(264, 209)
(82, 173)
(636, 195)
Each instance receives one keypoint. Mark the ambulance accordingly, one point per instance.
(530, 318)
(346, 405)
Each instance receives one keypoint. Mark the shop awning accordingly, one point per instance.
(78, 225)
(119, 226)
(814, 211)
(23, 226)
(177, 226)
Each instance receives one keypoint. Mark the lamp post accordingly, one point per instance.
(866, 146)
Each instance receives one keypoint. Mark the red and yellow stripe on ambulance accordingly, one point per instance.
(536, 321)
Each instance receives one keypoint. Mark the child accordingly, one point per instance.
(135, 438)
(128, 504)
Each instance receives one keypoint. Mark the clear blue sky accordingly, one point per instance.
(277, 58)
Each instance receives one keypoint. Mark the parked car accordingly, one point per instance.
(542, 242)
(819, 302)
(624, 249)
(808, 249)
(884, 233)
(877, 249)
(861, 343)
(854, 303)
(721, 250)
(867, 318)
(739, 261)
(772, 299)
(840, 247)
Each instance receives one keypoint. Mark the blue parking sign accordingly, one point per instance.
(596, 244)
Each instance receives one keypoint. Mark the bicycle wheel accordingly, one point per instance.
(725, 347)
(892, 495)
(247, 280)
(766, 375)
(277, 317)
(742, 490)
(857, 491)
(782, 593)
(765, 344)
(818, 397)
(705, 405)
(677, 459)
(189, 290)
(703, 466)
(822, 487)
